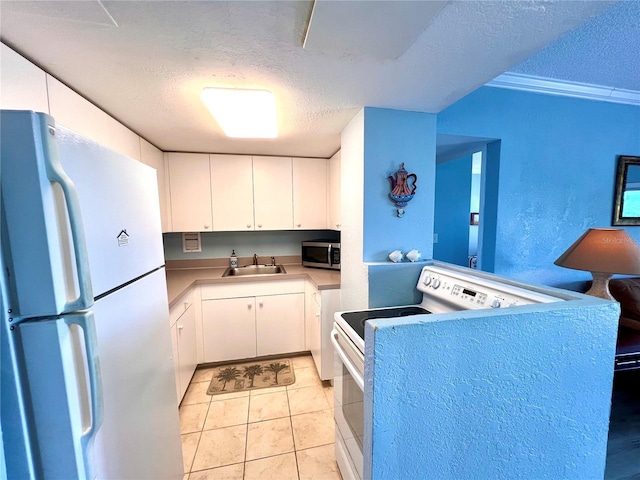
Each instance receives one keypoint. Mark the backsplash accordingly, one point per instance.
(265, 243)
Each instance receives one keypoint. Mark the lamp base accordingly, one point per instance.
(600, 286)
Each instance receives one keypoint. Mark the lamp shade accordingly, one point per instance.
(604, 250)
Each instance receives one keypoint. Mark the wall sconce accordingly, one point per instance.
(401, 190)
(603, 252)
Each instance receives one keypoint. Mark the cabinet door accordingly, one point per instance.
(176, 360)
(232, 192)
(187, 348)
(229, 329)
(190, 190)
(23, 85)
(280, 324)
(333, 193)
(309, 193)
(272, 193)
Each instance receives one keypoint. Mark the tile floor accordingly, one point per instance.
(272, 433)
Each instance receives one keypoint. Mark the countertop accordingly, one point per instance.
(180, 279)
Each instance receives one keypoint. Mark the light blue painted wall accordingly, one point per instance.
(556, 173)
(390, 138)
(392, 284)
(491, 394)
(220, 244)
(452, 208)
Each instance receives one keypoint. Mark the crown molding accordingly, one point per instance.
(550, 86)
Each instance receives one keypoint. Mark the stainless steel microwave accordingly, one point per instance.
(321, 254)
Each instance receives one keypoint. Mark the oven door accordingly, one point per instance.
(349, 405)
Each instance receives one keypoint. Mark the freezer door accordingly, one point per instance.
(140, 435)
(120, 209)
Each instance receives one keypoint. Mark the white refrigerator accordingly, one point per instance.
(88, 387)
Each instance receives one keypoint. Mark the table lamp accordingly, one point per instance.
(603, 252)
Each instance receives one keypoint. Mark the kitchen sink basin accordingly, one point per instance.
(253, 270)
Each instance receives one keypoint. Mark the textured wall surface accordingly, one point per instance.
(391, 138)
(556, 174)
(522, 394)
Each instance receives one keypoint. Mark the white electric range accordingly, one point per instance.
(445, 288)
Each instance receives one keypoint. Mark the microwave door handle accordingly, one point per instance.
(330, 256)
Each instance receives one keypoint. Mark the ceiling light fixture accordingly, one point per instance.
(242, 113)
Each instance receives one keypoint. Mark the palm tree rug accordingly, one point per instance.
(251, 376)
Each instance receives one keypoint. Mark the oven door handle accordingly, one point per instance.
(345, 360)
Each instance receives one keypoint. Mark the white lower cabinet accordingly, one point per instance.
(184, 341)
(252, 319)
(280, 324)
(229, 329)
(320, 306)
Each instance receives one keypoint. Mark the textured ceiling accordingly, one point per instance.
(146, 62)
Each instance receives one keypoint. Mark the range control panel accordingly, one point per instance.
(447, 289)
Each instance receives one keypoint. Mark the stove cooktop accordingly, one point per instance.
(356, 319)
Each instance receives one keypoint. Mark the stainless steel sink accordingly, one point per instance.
(253, 270)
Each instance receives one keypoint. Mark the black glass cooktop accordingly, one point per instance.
(356, 319)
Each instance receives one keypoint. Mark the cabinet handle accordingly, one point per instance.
(260, 303)
(337, 225)
(180, 327)
(186, 305)
(248, 225)
(249, 305)
(206, 227)
(259, 225)
(299, 225)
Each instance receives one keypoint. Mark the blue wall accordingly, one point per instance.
(390, 138)
(556, 175)
(220, 244)
(482, 395)
(452, 209)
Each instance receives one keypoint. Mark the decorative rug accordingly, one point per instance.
(251, 376)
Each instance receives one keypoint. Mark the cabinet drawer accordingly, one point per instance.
(251, 289)
(179, 308)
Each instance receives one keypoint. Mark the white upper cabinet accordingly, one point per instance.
(232, 192)
(190, 191)
(309, 193)
(78, 114)
(150, 155)
(23, 86)
(272, 193)
(333, 193)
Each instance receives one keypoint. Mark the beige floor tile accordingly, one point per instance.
(268, 407)
(307, 399)
(185, 476)
(227, 396)
(280, 467)
(220, 447)
(196, 393)
(318, 463)
(189, 447)
(305, 377)
(313, 429)
(192, 417)
(303, 361)
(328, 393)
(229, 472)
(268, 438)
(264, 391)
(202, 375)
(226, 413)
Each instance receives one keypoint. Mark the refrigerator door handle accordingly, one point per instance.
(56, 174)
(86, 322)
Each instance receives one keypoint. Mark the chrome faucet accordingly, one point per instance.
(255, 259)
(273, 261)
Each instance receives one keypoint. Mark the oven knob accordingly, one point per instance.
(427, 279)
(436, 283)
(495, 303)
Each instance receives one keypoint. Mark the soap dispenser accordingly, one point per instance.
(233, 259)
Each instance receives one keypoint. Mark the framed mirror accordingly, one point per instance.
(626, 209)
